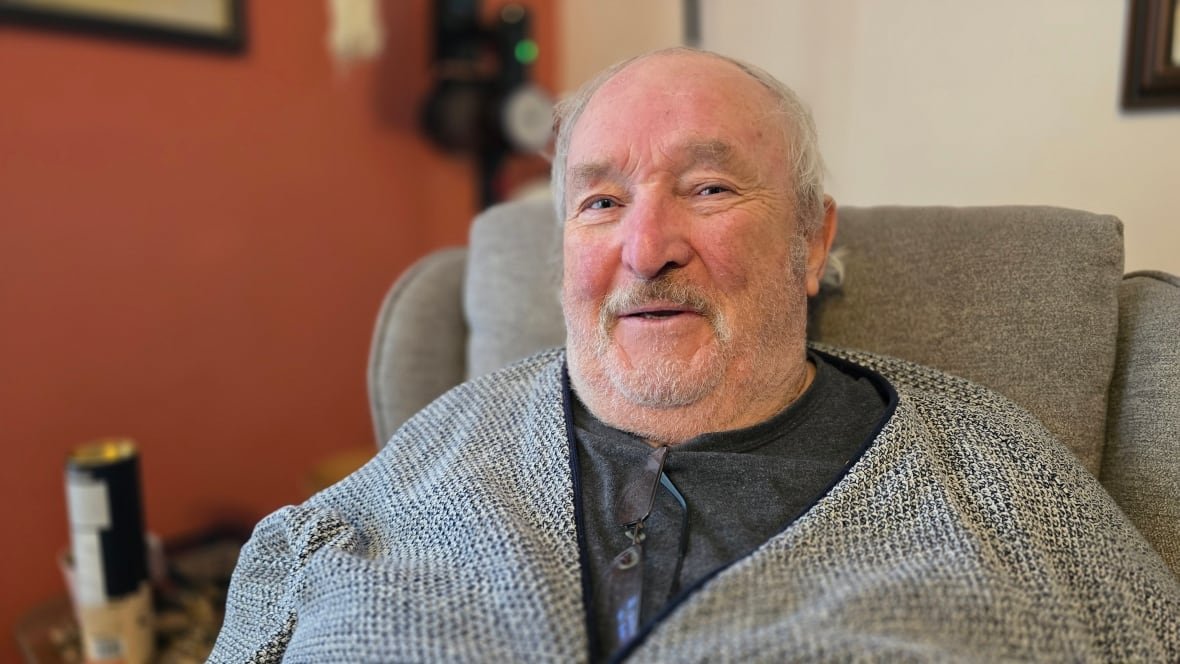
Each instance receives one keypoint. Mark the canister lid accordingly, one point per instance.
(102, 452)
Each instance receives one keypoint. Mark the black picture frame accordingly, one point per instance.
(226, 32)
(1152, 74)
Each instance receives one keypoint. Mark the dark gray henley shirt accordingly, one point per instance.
(741, 487)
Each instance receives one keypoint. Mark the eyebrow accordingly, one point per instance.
(717, 154)
(713, 153)
(582, 176)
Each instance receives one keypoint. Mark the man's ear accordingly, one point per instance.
(819, 246)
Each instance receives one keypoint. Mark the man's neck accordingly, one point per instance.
(736, 404)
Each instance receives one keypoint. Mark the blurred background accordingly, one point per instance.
(194, 243)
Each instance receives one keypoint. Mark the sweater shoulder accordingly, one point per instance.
(510, 388)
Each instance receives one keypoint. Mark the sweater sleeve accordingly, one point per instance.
(260, 611)
(269, 584)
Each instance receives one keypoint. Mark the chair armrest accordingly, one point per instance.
(419, 347)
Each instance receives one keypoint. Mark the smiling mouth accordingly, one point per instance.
(657, 314)
(657, 302)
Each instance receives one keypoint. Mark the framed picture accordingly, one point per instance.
(211, 24)
(1152, 77)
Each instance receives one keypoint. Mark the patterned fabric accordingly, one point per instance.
(964, 533)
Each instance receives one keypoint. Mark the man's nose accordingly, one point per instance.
(655, 237)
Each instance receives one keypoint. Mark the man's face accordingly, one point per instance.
(684, 273)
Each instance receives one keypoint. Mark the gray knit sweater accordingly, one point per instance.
(963, 534)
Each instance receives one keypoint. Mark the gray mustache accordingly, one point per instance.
(663, 289)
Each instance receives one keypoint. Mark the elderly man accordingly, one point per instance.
(688, 480)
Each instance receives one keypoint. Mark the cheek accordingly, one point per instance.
(730, 261)
(586, 272)
(739, 261)
(730, 275)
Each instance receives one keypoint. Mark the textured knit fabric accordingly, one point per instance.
(963, 533)
(741, 487)
(1141, 466)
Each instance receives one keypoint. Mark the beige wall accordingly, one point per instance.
(598, 33)
(1005, 101)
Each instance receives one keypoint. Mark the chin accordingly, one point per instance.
(661, 383)
(636, 393)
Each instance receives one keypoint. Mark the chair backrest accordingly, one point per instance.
(1021, 299)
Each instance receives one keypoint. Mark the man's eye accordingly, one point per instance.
(712, 190)
(601, 204)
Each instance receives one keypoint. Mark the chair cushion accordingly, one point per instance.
(1140, 467)
(512, 293)
(1023, 300)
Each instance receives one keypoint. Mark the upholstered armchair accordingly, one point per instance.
(1029, 301)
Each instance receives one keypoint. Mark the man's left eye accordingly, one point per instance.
(712, 190)
(601, 204)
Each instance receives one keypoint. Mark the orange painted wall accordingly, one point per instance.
(192, 251)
